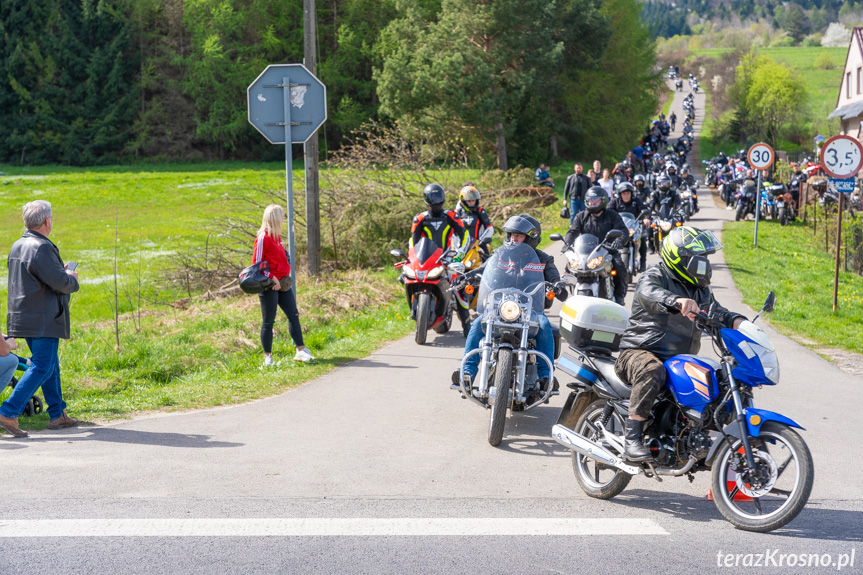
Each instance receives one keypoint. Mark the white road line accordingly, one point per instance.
(326, 527)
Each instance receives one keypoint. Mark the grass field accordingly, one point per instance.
(822, 86)
(793, 263)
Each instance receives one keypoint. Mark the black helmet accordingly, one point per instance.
(684, 252)
(595, 199)
(626, 187)
(533, 240)
(435, 196)
(638, 178)
(522, 225)
(663, 183)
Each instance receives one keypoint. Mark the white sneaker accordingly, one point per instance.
(729, 207)
(268, 361)
(303, 355)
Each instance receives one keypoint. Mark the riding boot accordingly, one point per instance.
(634, 450)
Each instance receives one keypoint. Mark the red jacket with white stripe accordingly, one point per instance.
(273, 252)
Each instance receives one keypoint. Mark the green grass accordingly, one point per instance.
(210, 354)
(667, 105)
(792, 262)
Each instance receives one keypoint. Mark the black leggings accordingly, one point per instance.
(270, 302)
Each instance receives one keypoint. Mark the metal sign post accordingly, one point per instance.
(287, 113)
(841, 158)
(760, 157)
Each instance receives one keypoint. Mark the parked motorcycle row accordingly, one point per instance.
(704, 419)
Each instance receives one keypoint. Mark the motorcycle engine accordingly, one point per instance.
(673, 438)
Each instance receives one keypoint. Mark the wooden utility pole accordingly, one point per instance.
(313, 204)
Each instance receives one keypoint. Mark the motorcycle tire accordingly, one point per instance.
(444, 326)
(423, 303)
(783, 217)
(750, 514)
(587, 471)
(502, 384)
(740, 213)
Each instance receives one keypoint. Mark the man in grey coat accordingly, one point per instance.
(38, 311)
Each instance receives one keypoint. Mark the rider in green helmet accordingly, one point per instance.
(668, 296)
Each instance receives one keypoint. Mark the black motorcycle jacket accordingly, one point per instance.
(474, 222)
(634, 207)
(663, 332)
(439, 228)
(668, 200)
(599, 226)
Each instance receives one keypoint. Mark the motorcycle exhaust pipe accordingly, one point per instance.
(580, 444)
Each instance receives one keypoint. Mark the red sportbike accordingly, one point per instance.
(426, 281)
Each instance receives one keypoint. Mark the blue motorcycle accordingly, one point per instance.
(704, 419)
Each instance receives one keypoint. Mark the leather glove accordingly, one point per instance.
(618, 244)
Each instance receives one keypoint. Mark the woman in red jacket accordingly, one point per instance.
(269, 248)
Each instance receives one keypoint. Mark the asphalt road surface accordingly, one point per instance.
(379, 467)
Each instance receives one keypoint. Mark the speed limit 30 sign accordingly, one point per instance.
(842, 157)
(760, 156)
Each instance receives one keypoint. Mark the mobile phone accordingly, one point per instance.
(70, 267)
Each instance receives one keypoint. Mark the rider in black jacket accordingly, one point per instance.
(628, 201)
(659, 330)
(598, 220)
(437, 224)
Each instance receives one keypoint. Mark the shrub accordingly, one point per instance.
(824, 61)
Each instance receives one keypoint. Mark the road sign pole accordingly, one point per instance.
(838, 246)
(757, 208)
(289, 177)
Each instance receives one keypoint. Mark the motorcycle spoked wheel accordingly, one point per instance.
(787, 459)
(597, 479)
(502, 384)
(423, 303)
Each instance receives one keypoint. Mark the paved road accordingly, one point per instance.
(321, 479)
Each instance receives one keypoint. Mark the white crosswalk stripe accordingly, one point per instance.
(327, 527)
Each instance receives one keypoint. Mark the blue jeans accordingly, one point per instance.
(544, 344)
(44, 373)
(8, 365)
(575, 205)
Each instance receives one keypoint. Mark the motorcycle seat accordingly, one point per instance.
(606, 368)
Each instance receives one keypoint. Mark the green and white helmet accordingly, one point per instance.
(684, 252)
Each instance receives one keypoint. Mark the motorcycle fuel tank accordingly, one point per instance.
(692, 380)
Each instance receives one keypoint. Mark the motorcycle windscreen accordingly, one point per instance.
(628, 220)
(426, 249)
(512, 266)
(584, 245)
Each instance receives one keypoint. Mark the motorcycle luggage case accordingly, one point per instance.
(589, 321)
(570, 364)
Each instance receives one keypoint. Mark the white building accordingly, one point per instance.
(849, 104)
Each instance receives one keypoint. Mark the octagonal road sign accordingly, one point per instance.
(266, 103)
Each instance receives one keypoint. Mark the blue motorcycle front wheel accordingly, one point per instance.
(785, 475)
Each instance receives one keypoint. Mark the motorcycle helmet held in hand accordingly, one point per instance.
(663, 183)
(434, 196)
(684, 252)
(469, 193)
(595, 200)
(522, 225)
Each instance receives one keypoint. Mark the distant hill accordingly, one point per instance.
(668, 18)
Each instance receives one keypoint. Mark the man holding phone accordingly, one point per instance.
(38, 311)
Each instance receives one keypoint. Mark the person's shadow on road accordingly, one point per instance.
(131, 436)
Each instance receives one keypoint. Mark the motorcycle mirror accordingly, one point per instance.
(770, 303)
(397, 253)
(486, 235)
(569, 278)
(456, 267)
(612, 235)
(556, 237)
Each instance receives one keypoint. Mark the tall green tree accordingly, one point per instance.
(469, 71)
(612, 103)
(769, 95)
(66, 81)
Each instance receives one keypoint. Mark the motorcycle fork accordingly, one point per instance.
(740, 416)
(521, 368)
(484, 361)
